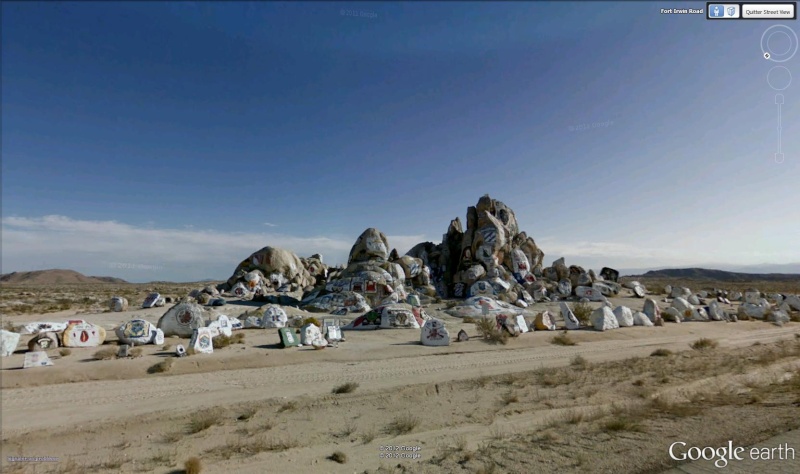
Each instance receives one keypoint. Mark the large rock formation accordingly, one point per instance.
(272, 268)
(491, 249)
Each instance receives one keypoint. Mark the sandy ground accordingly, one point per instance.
(272, 410)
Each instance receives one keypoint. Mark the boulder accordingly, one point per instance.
(673, 315)
(609, 274)
(735, 296)
(779, 317)
(353, 301)
(545, 322)
(715, 312)
(118, 304)
(201, 341)
(311, 335)
(83, 334)
(509, 324)
(222, 325)
(793, 301)
(44, 341)
(522, 324)
(752, 296)
(37, 327)
(693, 299)
(372, 244)
(680, 292)
(434, 333)
(151, 300)
(570, 320)
(476, 306)
(752, 310)
(652, 310)
(398, 316)
(603, 319)
(481, 288)
(605, 288)
(641, 319)
(462, 336)
(181, 320)
(251, 322)
(8, 342)
(682, 305)
(273, 317)
(137, 332)
(624, 316)
(333, 333)
(36, 359)
(274, 267)
(565, 287)
(668, 290)
(591, 294)
(697, 314)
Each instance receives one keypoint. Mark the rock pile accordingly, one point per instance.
(274, 269)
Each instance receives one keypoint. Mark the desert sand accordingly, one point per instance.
(526, 406)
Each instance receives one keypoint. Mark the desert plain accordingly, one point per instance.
(546, 401)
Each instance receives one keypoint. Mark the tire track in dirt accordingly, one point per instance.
(35, 408)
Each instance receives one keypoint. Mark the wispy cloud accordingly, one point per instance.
(94, 247)
(270, 224)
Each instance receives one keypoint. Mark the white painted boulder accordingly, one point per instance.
(151, 300)
(36, 359)
(680, 292)
(521, 303)
(399, 317)
(736, 296)
(240, 289)
(474, 307)
(523, 325)
(434, 333)
(652, 310)
(778, 316)
(8, 342)
(222, 325)
(641, 319)
(565, 287)
(603, 319)
(118, 304)
(311, 335)
(37, 327)
(693, 299)
(545, 322)
(624, 316)
(682, 305)
(182, 319)
(591, 294)
(137, 332)
(274, 317)
(481, 288)
(697, 314)
(570, 320)
(251, 322)
(83, 334)
(201, 341)
(668, 290)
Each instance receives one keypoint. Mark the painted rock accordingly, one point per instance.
(545, 322)
(240, 290)
(641, 319)
(523, 325)
(37, 327)
(481, 288)
(570, 320)
(36, 359)
(118, 304)
(44, 341)
(462, 336)
(639, 291)
(673, 315)
(652, 310)
(151, 300)
(288, 338)
(333, 334)
(565, 287)
(136, 332)
(8, 342)
(398, 316)
(752, 297)
(201, 341)
(311, 335)
(434, 333)
(591, 294)
(83, 334)
(274, 317)
(181, 320)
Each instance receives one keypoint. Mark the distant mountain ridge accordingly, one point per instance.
(719, 275)
(55, 277)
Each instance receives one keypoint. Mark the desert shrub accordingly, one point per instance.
(106, 353)
(339, 457)
(166, 347)
(202, 420)
(469, 320)
(622, 424)
(221, 341)
(313, 321)
(135, 352)
(583, 311)
(661, 353)
(704, 344)
(193, 465)
(488, 330)
(509, 397)
(563, 340)
(579, 361)
(65, 352)
(403, 424)
(163, 366)
(288, 406)
(348, 387)
(238, 338)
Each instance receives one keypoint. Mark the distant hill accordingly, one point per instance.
(718, 275)
(54, 277)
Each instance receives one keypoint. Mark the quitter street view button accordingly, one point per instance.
(769, 10)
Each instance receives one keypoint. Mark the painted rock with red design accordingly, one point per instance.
(83, 334)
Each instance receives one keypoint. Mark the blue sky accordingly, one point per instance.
(180, 137)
